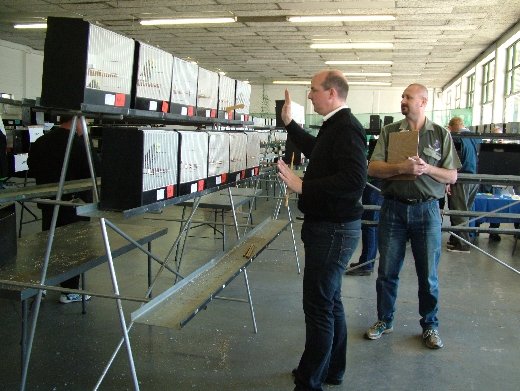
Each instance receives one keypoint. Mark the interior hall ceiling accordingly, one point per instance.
(433, 40)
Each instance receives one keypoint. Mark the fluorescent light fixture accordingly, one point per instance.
(369, 83)
(291, 82)
(359, 62)
(368, 74)
(360, 45)
(340, 18)
(155, 22)
(31, 26)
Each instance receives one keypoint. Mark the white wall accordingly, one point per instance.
(22, 69)
(362, 100)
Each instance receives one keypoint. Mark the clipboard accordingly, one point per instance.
(400, 146)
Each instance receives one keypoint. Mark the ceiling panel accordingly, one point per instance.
(434, 40)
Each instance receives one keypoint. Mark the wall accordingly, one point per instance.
(362, 100)
(22, 69)
(21, 75)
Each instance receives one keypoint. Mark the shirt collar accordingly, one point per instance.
(428, 125)
(325, 118)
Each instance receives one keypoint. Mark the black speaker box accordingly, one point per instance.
(375, 122)
(388, 120)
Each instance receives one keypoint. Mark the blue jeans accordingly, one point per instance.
(368, 233)
(422, 224)
(328, 249)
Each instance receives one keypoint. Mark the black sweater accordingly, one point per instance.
(336, 175)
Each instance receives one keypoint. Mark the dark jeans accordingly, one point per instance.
(67, 215)
(328, 249)
(369, 234)
(422, 224)
(462, 198)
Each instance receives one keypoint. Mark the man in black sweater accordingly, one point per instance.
(330, 198)
(45, 163)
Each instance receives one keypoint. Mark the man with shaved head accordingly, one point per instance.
(330, 199)
(410, 210)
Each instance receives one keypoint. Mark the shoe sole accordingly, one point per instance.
(454, 250)
(87, 297)
(356, 273)
(434, 346)
(387, 331)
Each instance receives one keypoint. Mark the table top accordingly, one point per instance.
(487, 203)
(76, 248)
(220, 199)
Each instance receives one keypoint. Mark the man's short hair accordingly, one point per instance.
(65, 118)
(339, 82)
(455, 121)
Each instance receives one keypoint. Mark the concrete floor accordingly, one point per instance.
(218, 349)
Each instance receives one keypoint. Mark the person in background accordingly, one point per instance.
(330, 199)
(45, 161)
(492, 190)
(410, 210)
(461, 196)
(3, 156)
(369, 248)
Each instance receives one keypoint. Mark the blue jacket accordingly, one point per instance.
(468, 154)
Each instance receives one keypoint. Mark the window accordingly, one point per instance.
(471, 90)
(512, 92)
(488, 82)
(458, 91)
(513, 69)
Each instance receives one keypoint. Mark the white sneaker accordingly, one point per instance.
(72, 297)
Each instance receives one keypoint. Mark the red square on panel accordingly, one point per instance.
(164, 107)
(242, 174)
(213, 113)
(200, 185)
(246, 117)
(256, 170)
(190, 111)
(224, 177)
(170, 191)
(120, 100)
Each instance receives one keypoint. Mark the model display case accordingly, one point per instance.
(85, 64)
(237, 156)
(207, 93)
(242, 96)
(218, 158)
(140, 167)
(193, 161)
(152, 78)
(184, 87)
(226, 97)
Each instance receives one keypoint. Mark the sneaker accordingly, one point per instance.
(72, 298)
(495, 237)
(378, 329)
(358, 272)
(432, 339)
(457, 249)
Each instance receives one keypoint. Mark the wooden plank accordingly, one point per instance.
(179, 304)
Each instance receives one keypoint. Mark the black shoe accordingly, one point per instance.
(330, 381)
(358, 272)
(333, 382)
(495, 237)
